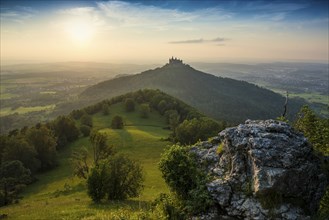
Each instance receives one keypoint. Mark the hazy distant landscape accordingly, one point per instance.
(164, 110)
(40, 92)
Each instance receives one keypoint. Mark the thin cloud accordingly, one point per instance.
(273, 12)
(135, 15)
(195, 41)
(88, 14)
(219, 39)
(77, 11)
(198, 41)
(18, 14)
(275, 7)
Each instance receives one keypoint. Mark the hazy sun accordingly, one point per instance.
(80, 32)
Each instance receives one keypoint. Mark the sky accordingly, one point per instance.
(152, 31)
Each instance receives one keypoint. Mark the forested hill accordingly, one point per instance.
(220, 98)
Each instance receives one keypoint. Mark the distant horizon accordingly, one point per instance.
(157, 62)
(140, 31)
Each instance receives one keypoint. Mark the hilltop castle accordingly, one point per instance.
(174, 60)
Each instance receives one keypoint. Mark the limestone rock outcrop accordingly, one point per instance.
(262, 170)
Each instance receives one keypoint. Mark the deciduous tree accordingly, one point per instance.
(117, 122)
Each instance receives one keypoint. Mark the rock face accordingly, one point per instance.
(262, 170)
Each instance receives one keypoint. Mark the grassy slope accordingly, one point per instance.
(220, 98)
(50, 199)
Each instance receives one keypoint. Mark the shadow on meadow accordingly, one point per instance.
(129, 204)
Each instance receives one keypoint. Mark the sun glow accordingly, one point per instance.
(80, 32)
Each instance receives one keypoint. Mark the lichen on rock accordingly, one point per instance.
(266, 170)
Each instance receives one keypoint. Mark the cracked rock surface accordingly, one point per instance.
(265, 170)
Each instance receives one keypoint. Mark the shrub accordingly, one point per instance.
(116, 178)
(117, 122)
(96, 182)
(169, 207)
(125, 178)
(220, 148)
(180, 171)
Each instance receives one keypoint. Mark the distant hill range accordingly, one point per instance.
(217, 97)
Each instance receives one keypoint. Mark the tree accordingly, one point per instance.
(19, 149)
(173, 118)
(145, 110)
(96, 182)
(65, 129)
(4, 139)
(125, 178)
(314, 128)
(191, 131)
(105, 109)
(129, 105)
(162, 106)
(44, 143)
(13, 177)
(79, 163)
(85, 130)
(100, 147)
(178, 169)
(116, 178)
(117, 122)
(77, 114)
(87, 120)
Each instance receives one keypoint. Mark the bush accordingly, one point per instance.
(125, 178)
(96, 182)
(169, 207)
(117, 177)
(180, 171)
(117, 122)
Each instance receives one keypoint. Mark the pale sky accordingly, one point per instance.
(153, 31)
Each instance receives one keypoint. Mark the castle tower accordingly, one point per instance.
(175, 60)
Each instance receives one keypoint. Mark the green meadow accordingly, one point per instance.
(59, 195)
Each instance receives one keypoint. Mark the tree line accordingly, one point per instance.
(34, 149)
(26, 151)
